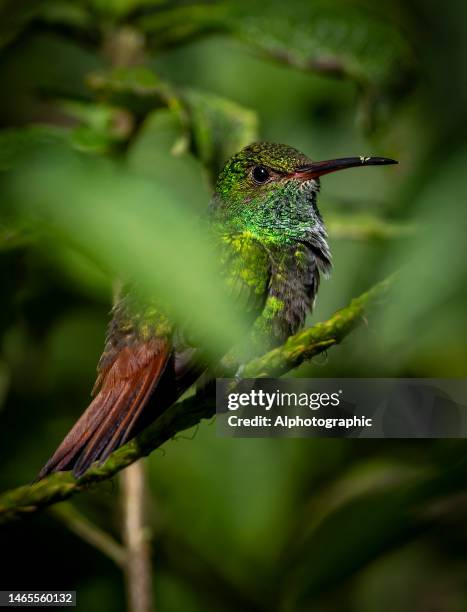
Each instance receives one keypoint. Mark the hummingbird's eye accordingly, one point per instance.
(260, 174)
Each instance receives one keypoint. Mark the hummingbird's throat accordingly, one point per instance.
(309, 184)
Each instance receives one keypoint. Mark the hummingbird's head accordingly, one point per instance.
(270, 190)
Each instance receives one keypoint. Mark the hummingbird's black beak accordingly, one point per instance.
(317, 169)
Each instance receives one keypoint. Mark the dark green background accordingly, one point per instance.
(348, 525)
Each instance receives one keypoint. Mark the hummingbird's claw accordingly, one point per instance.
(239, 373)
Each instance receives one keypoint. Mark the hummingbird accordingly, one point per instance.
(273, 249)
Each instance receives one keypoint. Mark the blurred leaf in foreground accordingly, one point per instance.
(433, 268)
(133, 227)
(161, 151)
(18, 143)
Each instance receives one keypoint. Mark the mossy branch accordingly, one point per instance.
(184, 414)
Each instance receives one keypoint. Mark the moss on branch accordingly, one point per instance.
(184, 414)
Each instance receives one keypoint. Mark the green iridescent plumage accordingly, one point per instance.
(277, 210)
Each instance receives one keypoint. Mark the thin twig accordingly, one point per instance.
(90, 533)
(138, 569)
(359, 227)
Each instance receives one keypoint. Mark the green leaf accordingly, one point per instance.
(326, 36)
(219, 127)
(348, 531)
(102, 127)
(136, 88)
(15, 17)
(331, 38)
(119, 9)
(384, 508)
(61, 12)
(174, 23)
(14, 20)
(17, 143)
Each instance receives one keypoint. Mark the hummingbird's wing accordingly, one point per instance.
(141, 361)
(247, 271)
(125, 382)
(138, 353)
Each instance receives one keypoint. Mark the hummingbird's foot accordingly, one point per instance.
(239, 373)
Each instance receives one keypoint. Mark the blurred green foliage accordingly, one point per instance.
(115, 118)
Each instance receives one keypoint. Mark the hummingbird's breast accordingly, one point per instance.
(295, 278)
(293, 284)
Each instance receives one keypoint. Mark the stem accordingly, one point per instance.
(90, 533)
(138, 570)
